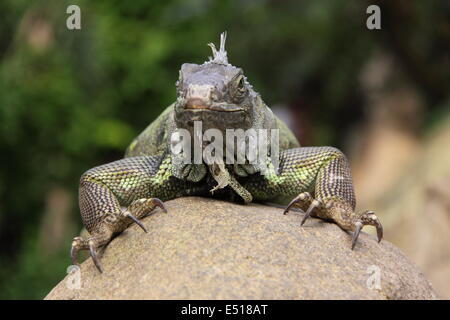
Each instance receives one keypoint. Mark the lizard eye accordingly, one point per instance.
(239, 89)
(241, 84)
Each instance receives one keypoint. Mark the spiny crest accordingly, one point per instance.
(219, 57)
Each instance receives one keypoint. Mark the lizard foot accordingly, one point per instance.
(113, 224)
(367, 218)
(338, 211)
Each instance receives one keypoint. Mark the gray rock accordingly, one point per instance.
(209, 249)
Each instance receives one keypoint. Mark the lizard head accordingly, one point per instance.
(215, 93)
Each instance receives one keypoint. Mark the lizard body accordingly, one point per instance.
(219, 96)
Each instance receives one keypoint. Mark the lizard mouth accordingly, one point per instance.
(221, 107)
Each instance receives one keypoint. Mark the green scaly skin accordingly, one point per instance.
(114, 195)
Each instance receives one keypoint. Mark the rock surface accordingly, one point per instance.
(209, 249)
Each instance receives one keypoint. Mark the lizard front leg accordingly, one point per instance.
(323, 172)
(114, 195)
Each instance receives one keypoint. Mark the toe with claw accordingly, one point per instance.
(338, 211)
(367, 218)
(302, 200)
(78, 244)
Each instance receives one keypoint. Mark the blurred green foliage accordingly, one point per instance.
(71, 100)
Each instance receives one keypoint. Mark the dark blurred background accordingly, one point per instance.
(73, 99)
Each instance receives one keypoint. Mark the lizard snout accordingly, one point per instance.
(198, 96)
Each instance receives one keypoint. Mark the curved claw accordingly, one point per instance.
(301, 197)
(290, 206)
(94, 256)
(129, 215)
(160, 204)
(379, 232)
(314, 204)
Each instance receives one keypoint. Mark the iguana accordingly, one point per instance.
(114, 195)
